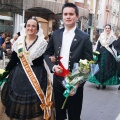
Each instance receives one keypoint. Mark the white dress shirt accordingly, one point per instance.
(66, 44)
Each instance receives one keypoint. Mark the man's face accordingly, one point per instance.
(69, 17)
(3, 35)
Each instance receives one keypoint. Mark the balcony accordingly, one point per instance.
(82, 5)
(13, 3)
(11, 6)
(114, 11)
(117, 13)
(108, 8)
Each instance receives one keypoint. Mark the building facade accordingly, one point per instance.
(115, 14)
(108, 13)
(47, 11)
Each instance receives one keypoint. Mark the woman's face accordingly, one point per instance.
(3, 36)
(31, 27)
(107, 29)
(7, 39)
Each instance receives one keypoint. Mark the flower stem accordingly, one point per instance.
(64, 103)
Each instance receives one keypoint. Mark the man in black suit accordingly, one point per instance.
(72, 45)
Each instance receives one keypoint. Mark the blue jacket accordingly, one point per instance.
(1, 40)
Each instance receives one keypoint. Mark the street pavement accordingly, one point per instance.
(100, 104)
(97, 104)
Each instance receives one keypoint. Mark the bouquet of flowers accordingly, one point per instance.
(2, 74)
(78, 76)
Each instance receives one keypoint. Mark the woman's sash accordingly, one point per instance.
(45, 100)
(111, 51)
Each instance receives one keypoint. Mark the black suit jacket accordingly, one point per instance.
(81, 48)
(116, 45)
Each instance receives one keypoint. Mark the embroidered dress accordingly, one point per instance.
(18, 95)
(107, 74)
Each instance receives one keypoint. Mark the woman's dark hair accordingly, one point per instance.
(33, 18)
(108, 25)
(6, 34)
(71, 5)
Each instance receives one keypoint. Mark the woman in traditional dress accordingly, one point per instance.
(107, 74)
(19, 95)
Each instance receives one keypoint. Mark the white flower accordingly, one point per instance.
(96, 52)
(85, 62)
(2, 71)
(77, 80)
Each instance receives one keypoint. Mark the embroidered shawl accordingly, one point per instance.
(106, 41)
(37, 49)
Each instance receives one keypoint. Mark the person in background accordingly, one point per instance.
(18, 34)
(72, 45)
(107, 74)
(15, 37)
(7, 46)
(2, 38)
(46, 38)
(19, 95)
(116, 45)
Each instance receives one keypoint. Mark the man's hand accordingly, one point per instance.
(72, 92)
(58, 69)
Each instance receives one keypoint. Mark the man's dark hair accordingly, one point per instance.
(71, 5)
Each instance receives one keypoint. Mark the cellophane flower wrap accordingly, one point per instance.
(2, 74)
(118, 58)
(94, 67)
(95, 55)
(78, 76)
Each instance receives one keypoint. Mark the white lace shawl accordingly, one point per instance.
(37, 49)
(106, 41)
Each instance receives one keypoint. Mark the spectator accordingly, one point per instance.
(2, 38)
(15, 37)
(46, 38)
(116, 45)
(7, 47)
(18, 34)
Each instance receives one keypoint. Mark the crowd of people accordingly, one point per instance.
(27, 94)
(6, 42)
